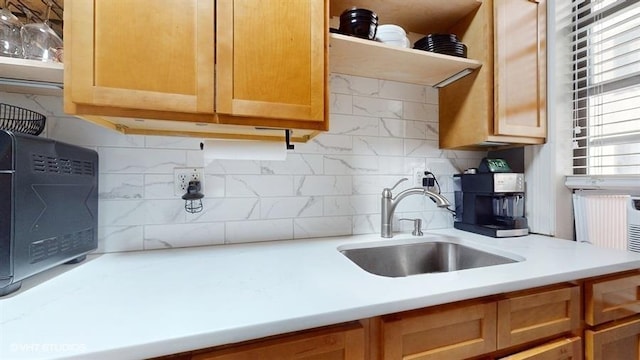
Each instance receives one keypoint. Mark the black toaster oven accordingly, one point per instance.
(48, 206)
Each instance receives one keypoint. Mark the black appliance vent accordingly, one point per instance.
(50, 164)
(69, 243)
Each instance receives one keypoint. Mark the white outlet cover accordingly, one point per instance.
(182, 176)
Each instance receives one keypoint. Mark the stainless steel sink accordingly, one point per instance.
(404, 259)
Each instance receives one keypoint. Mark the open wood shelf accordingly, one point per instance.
(31, 76)
(361, 57)
(418, 16)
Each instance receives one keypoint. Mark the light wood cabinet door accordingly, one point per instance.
(271, 59)
(563, 349)
(342, 343)
(138, 54)
(538, 315)
(616, 342)
(503, 102)
(612, 299)
(448, 332)
(520, 68)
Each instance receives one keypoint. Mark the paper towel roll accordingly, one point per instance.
(243, 150)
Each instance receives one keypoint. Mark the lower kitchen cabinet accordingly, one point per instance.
(541, 314)
(457, 332)
(612, 305)
(345, 342)
(533, 324)
(563, 349)
(616, 342)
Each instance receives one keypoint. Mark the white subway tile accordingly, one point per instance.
(350, 165)
(392, 127)
(322, 185)
(159, 186)
(326, 144)
(340, 104)
(121, 212)
(415, 129)
(260, 230)
(259, 185)
(380, 108)
(363, 185)
(119, 238)
(83, 133)
(227, 209)
(232, 167)
(351, 205)
(148, 161)
(117, 186)
(380, 131)
(390, 165)
(164, 211)
(295, 164)
(369, 145)
(290, 207)
(322, 226)
(402, 91)
(353, 125)
(183, 235)
(419, 111)
(366, 224)
(431, 95)
(214, 185)
(353, 85)
(426, 148)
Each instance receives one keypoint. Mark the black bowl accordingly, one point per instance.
(437, 39)
(357, 12)
(460, 50)
(365, 29)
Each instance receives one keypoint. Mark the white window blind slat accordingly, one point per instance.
(606, 96)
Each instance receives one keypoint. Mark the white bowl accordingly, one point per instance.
(389, 32)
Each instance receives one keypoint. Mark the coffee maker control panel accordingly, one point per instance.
(492, 183)
(508, 182)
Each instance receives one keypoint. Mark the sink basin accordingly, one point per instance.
(404, 259)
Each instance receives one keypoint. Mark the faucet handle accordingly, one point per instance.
(398, 183)
(417, 226)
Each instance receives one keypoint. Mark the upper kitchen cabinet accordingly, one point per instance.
(504, 102)
(271, 59)
(361, 57)
(131, 54)
(185, 67)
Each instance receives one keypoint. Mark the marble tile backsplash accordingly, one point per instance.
(380, 131)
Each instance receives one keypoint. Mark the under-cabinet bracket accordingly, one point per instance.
(287, 137)
(454, 77)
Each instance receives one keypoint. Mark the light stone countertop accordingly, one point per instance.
(143, 304)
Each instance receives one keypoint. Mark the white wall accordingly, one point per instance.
(380, 131)
(551, 212)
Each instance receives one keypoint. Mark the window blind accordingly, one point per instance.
(606, 87)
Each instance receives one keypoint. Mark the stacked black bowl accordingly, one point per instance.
(447, 44)
(359, 22)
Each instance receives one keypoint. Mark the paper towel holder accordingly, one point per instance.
(287, 139)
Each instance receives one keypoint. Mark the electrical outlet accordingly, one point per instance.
(418, 175)
(182, 176)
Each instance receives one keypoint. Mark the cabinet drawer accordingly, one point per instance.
(539, 315)
(564, 349)
(615, 342)
(340, 343)
(440, 333)
(612, 299)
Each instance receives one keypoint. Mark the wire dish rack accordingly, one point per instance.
(14, 118)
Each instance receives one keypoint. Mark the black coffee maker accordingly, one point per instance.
(490, 200)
